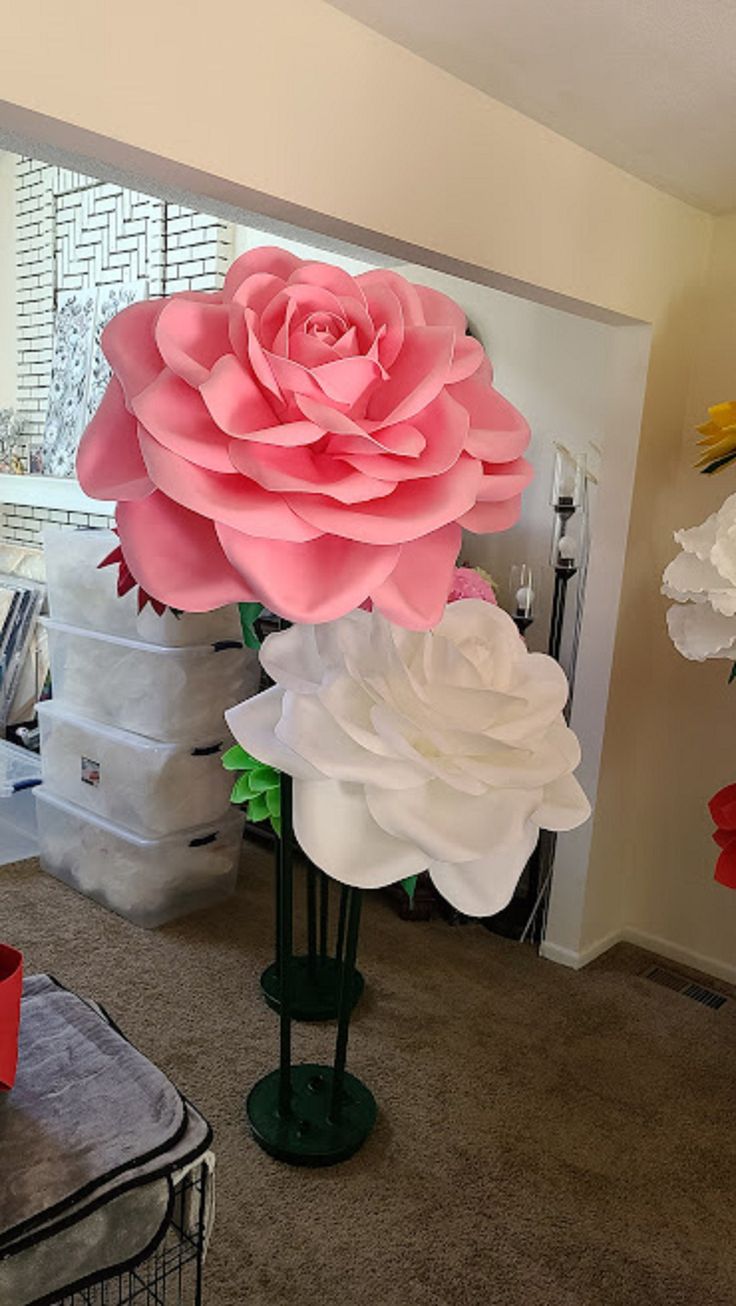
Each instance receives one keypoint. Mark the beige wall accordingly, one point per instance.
(671, 755)
(7, 280)
(300, 106)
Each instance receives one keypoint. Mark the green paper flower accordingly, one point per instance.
(258, 788)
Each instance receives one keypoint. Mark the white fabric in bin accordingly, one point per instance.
(82, 594)
(149, 881)
(171, 694)
(151, 787)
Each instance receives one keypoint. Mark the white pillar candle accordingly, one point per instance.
(566, 550)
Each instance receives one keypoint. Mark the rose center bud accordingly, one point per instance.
(327, 327)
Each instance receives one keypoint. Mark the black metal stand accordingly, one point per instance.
(525, 917)
(316, 976)
(311, 1115)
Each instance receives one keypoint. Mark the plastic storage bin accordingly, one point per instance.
(148, 881)
(19, 772)
(172, 694)
(82, 595)
(152, 788)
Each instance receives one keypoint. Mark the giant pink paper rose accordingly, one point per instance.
(303, 438)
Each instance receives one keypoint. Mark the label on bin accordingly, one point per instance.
(90, 772)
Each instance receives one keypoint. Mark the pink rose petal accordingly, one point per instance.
(109, 460)
(269, 258)
(385, 311)
(414, 508)
(443, 427)
(498, 432)
(176, 416)
(404, 441)
(191, 335)
(342, 381)
(486, 518)
(258, 291)
(408, 296)
(222, 498)
(415, 593)
(417, 376)
(313, 582)
(504, 480)
(235, 402)
(327, 277)
(129, 345)
(467, 357)
(176, 556)
(301, 470)
(440, 310)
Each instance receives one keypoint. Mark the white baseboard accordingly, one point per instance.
(576, 960)
(686, 956)
(652, 942)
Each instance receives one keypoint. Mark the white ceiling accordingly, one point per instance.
(648, 84)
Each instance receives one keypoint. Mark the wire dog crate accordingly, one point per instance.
(172, 1274)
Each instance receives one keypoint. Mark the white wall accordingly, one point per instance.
(7, 281)
(246, 238)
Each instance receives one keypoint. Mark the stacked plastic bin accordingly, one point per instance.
(134, 809)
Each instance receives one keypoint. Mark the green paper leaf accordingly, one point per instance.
(273, 802)
(409, 886)
(263, 778)
(241, 791)
(249, 614)
(236, 759)
(258, 809)
(276, 825)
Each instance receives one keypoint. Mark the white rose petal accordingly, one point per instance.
(442, 749)
(702, 581)
(485, 886)
(699, 632)
(331, 818)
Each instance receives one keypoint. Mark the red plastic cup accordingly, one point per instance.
(11, 984)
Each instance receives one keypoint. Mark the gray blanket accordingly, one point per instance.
(92, 1139)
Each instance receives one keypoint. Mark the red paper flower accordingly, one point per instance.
(303, 438)
(722, 807)
(126, 581)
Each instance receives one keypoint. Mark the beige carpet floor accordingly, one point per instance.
(545, 1138)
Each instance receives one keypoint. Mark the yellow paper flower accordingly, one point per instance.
(718, 438)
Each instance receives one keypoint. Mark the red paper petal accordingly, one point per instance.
(725, 872)
(722, 807)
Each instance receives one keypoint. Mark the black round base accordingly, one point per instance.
(307, 1137)
(315, 992)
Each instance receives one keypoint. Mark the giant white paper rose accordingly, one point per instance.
(702, 578)
(443, 749)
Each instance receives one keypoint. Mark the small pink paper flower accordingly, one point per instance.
(467, 583)
(303, 438)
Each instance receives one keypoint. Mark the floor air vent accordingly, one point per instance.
(669, 979)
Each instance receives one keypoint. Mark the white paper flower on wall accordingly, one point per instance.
(702, 578)
(439, 749)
